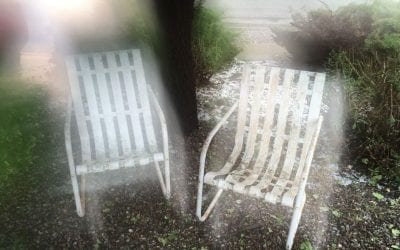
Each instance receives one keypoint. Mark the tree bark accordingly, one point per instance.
(177, 64)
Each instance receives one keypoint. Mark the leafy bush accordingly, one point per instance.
(371, 77)
(213, 44)
(373, 94)
(22, 131)
(362, 43)
(321, 31)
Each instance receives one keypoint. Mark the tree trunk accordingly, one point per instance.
(175, 20)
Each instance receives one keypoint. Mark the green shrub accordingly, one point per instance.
(371, 79)
(362, 43)
(321, 31)
(373, 94)
(213, 44)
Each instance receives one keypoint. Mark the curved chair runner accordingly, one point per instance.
(110, 100)
(278, 136)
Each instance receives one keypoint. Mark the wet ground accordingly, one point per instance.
(127, 210)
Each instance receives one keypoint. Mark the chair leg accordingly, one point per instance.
(83, 191)
(298, 209)
(210, 207)
(167, 179)
(161, 179)
(78, 202)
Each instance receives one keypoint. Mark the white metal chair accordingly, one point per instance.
(278, 124)
(110, 100)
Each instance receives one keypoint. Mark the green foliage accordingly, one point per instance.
(321, 31)
(395, 232)
(346, 27)
(213, 44)
(378, 196)
(306, 245)
(22, 130)
(370, 77)
(385, 36)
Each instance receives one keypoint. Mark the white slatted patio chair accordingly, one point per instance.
(110, 101)
(278, 123)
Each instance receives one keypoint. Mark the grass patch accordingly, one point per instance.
(22, 131)
(30, 165)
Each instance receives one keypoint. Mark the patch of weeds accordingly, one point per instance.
(324, 209)
(306, 245)
(358, 218)
(378, 196)
(135, 218)
(106, 210)
(242, 241)
(188, 219)
(376, 177)
(168, 238)
(97, 244)
(279, 220)
(395, 232)
(17, 243)
(336, 213)
(394, 203)
(163, 241)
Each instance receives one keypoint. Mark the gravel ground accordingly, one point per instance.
(127, 210)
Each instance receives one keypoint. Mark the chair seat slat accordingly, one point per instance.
(76, 96)
(133, 108)
(274, 80)
(121, 121)
(107, 113)
(95, 123)
(293, 140)
(315, 105)
(144, 99)
(252, 133)
(114, 164)
(280, 127)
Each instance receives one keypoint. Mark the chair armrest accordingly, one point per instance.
(164, 130)
(67, 134)
(310, 154)
(203, 159)
(161, 117)
(210, 136)
(67, 125)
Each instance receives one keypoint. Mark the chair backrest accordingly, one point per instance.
(278, 112)
(111, 104)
